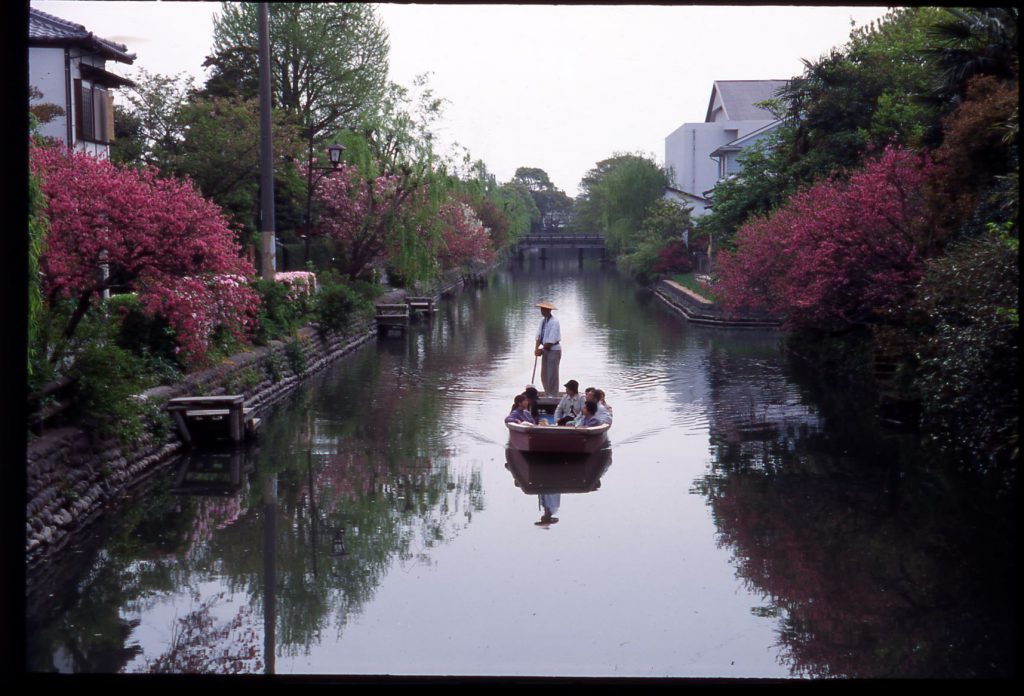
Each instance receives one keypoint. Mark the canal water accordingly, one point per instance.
(749, 519)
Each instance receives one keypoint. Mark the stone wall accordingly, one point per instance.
(73, 477)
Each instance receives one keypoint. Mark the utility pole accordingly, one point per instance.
(269, 262)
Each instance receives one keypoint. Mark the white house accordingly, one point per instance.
(67, 65)
(700, 154)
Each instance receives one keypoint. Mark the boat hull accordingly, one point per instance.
(539, 438)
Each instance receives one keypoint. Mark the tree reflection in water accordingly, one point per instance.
(877, 563)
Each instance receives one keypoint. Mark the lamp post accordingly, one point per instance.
(268, 260)
(334, 153)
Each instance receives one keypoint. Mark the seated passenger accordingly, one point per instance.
(520, 411)
(596, 395)
(587, 418)
(532, 395)
(604, 411)
(571, 404)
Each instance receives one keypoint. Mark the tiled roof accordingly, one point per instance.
(739, 96)
(46, 29)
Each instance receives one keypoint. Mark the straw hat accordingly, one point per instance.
(545, 305)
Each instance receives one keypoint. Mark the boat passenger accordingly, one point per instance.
(532, 395)
(520, 411)
(587, 418)
(604, 413)
(571, 404)
(602, 405)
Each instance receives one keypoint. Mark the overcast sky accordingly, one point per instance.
(558, 87)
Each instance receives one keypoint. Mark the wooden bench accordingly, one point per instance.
(421, 305)
(391, 316)
(228, 410)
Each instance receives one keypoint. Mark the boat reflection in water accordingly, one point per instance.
(549, 475)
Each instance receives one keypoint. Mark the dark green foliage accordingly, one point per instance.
(969, 362)
(108, 380)
(280, 313)
(143, 335)
(37, 228)
(296, 356)
(969, 42)
(337, 304)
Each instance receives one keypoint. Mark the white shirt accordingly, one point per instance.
(550, 332)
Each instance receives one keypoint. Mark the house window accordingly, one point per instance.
(94, 113)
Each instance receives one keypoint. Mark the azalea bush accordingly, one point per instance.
(836, 254)
(113, 226)
(674, 257)
(301, 284)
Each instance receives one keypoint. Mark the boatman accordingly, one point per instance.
(549, 337)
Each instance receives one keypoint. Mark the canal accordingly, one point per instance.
(748, 520)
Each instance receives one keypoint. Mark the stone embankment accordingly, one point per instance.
(73, 477)
(699, 310)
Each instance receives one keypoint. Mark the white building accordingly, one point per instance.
(67, 65)
(700, 154)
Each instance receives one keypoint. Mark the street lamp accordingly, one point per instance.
(334, 152)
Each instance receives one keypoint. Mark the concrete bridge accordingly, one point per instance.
(562, 240)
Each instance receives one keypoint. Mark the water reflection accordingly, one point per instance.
(549, 475)
(876, 562)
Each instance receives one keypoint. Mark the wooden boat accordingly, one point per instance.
(556, 438)
(530, 438)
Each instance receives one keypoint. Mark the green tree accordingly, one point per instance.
(154, 132)
(217, 152)
(665, 222)
(329, 61)
(548, 198)
(517, 204)
(616, 195)
(970, 42)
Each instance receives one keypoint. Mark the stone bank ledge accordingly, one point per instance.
(699, 310)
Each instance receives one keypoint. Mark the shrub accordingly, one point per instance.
(674, 257)
(279, 314)
(108, 380)
(337, 303)
(147, 336)
(296, 356)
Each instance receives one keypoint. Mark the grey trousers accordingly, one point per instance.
(549, 371)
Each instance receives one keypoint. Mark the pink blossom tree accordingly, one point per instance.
(117, 226)
(464, 238)
(835, 254)
(373, 218)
